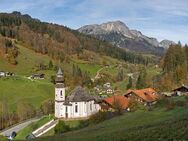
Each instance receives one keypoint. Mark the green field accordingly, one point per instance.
(18, 89)
(158, 124)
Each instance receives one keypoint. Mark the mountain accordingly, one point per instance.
(119, 34)
(166, 43)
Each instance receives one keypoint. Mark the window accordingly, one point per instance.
(61, 93)
(66, 110)
(91, 106)
(76, 108)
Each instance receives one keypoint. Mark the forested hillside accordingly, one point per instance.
(57, 41)
(175, 68)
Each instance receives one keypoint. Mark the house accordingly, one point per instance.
(5, 74)
(9, 74)
(147, 96)
(2, 74)
(108, 103)
(108, 85)
(104, 90)
(37, 76)
(183, 90)
(79, 104)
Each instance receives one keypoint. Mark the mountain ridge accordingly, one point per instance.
(127, 37)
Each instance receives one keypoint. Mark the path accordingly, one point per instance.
(45, 128)
(18, 127)
(97, 76)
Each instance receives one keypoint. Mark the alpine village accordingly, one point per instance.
(98, 82)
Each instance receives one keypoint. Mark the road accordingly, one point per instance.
(18, 127)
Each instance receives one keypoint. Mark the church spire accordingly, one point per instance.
(59, 76)
(60, 72)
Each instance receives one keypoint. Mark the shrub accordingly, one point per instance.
(61, 127)
(82, 124)
(98, 117)
(133, 105)
(170, 104)
(118, 107)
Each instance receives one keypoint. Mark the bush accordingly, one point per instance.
(118, 107)
(61, 127)
(82, 124)
(133, 105)
(98, 117)
(170, 104)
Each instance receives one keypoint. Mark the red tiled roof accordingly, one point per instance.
(119, 98)
(147, 94)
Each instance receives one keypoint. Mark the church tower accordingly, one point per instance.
(59, 94)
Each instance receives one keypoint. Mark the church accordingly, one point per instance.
(79, 104)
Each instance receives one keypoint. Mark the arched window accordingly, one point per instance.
(91, 106)
(61, 93)
(76, 108)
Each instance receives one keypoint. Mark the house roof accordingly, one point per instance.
(79, 95)
(119, 98)
(183, 86)
(147, 94)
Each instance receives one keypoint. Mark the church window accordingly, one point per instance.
(91, 106)
(76, 108)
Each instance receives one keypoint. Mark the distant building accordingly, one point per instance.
(37, 76)
(147, 96)
(6, 74)
(2, 74)
(79, 104)
(183, 90)
(105, 89)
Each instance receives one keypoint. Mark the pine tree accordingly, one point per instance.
(141, 81)
(50, 65)
(129, 85)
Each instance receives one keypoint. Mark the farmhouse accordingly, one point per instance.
(147, 96)
(110, 102)
(104, 90)
(6, 74)
(37, 76)
(183, 90)
(2, 74)
(79, 104)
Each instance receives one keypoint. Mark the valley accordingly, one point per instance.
(99, 82)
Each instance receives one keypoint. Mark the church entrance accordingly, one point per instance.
(66, 112)
(66, 115)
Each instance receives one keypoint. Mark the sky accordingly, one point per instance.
(162, 19)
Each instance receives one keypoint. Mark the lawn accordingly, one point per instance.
(17, 89)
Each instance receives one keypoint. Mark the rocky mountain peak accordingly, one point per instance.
(119, 34)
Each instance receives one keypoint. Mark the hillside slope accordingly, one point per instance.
(153, 125)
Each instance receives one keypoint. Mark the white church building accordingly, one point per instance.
(79, 104)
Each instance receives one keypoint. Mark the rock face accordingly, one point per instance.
(166, 43)
(119, 34)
